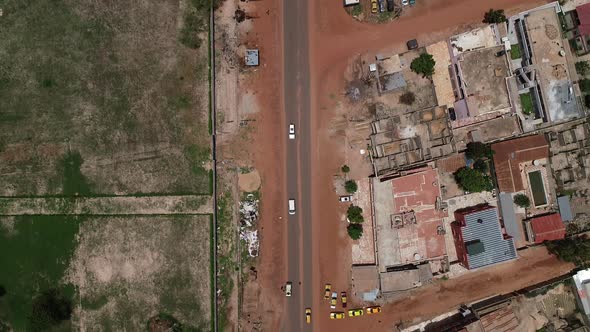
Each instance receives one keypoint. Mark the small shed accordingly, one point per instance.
(351, 2)
(545, 228)
(252, 58)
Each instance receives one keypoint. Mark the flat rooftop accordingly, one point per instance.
(484, 76)
(411, 198)
(544, 34)
(441, 78)
(473, 40)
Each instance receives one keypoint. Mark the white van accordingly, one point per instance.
(288, 287)
(291, 206)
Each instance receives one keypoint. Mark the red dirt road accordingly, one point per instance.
(334, 39)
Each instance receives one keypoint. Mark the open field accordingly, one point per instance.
(117, 271)
(103, 98)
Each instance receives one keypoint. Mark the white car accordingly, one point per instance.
(345, 198)
(405, 2)
(288, 287)
(291, 131)
(291, 206)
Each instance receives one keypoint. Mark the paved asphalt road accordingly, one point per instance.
(297, 111)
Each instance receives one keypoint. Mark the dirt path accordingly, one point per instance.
(334, 39)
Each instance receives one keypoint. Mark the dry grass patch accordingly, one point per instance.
(130, 269)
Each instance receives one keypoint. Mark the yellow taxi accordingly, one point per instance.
(337, 315)
(374, 7)
(343, 297)
(355, 312)
(334, 300)
(308, 315)
(327, 291)
(373, 310)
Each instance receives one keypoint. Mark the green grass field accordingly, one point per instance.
(34, 255)
(121, 87)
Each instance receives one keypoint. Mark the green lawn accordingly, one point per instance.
(34, 254)
(515, 52)
(526, 103)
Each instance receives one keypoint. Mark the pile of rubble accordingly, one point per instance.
(248, 218)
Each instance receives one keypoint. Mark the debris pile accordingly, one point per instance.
(248, 218)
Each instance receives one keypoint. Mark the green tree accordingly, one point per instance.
(355, 214)
(574, 250)
(494, 16)
(522, 200)
(2, 291)
(587, 101)
(345, 169)
(481, 165)
(350, 186)
(424, 64)
(582, 67)
(355, 231)
(472, 180)
(478, 150)
(585, 85)
(50, 308)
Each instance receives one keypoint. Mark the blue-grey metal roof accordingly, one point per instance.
(485, 227)
(565, 210)
(252, 57)
(509, 217)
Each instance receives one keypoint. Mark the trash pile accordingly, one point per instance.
(248, 218)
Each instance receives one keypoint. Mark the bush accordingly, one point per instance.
(472, 180)
(355, 231)
(355, 214)
(424, 64)
(350, 186)
(481, 165)
(407, 98)
(494, 16)
(478, 150)
(345, 169)
(2, 291)
(50, 308)
(522, 200)
(573, 250)
(582, 67)
(585, 85)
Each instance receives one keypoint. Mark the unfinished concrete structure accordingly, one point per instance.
(570, 155)
(410, 140)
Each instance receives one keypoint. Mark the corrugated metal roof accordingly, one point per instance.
(252, 58)
(484, 226)
(584, 17)
(509, 217)
(548, 228)
(565, 210)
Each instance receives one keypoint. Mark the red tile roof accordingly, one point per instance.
(509, 154)
(584, 17)
(548, 228)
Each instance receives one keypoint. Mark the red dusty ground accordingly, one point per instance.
(334, 39)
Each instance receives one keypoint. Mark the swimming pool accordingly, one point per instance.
(537, 188)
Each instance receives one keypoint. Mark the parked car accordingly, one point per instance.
(334, 300)
(405, 2)
(308, 315)
(346, 198)
(337, 315)
(373, 310)
(382, 6)
(412, 2)
(327, 291)
(288, 287)
(291, 131)
(374, 7)
(390, 5)
(355, 312)
(291, 206)
(412, 44)
(343, 299)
